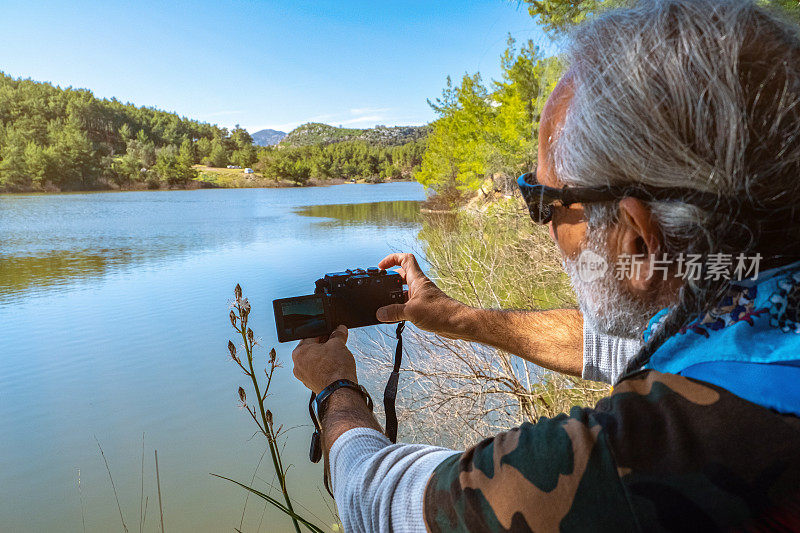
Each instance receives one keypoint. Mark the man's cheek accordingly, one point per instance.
(552, 232)
(572, 239)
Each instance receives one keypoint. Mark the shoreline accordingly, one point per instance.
(198, 184)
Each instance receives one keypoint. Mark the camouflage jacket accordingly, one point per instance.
(661, 453)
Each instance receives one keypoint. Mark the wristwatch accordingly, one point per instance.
(325, 394)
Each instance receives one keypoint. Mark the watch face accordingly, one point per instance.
(325, 394)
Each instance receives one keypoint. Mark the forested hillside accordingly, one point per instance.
(314, 133)
(67, 139)
(360, 159)
(54, 139)
(321, 152)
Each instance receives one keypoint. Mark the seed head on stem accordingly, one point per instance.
(260, 414)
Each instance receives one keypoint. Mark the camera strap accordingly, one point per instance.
(390, 392)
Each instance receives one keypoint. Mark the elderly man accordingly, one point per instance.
(674, 138)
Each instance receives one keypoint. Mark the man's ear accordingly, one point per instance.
(638, 235)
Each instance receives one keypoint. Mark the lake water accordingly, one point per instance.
(114, 323)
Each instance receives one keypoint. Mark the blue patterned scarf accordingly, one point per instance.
(748, 344)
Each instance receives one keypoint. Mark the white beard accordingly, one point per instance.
(606, 303)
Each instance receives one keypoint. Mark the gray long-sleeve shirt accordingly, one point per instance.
(379, 486)
(605, 357)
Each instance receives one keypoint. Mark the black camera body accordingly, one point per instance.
(350, 298)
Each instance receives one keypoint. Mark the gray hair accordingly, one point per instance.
(699, 94)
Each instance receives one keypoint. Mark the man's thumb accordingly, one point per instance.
(391, 313)
(339, 333)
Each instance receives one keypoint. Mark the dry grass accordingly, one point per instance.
(493, 256)
(235, 178)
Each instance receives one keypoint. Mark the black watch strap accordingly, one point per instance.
(325, 393)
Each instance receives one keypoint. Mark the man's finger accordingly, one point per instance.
(391, 313)
(391, 260)
(340, 334)
(407, 262)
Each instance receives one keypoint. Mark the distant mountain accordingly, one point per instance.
(317, 133)
(268, 137)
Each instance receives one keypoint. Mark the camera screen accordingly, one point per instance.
(301, 318)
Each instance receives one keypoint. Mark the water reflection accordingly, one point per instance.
(56, 268)
(399, 213)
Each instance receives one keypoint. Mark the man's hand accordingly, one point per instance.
(318, 364)
(428, 307)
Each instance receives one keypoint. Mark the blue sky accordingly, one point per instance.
(263, 63)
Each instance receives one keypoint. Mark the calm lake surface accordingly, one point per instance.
(114, 323)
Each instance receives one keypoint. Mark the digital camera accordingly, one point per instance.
(350, 298)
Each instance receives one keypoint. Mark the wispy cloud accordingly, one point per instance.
(369, 110)
(333, 120)
(322, 118)
(368, 119)
(223, 113)
(289, 126)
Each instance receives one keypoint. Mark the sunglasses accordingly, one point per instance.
(541, 199)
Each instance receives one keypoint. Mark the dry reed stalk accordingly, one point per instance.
(158, 484)
(80, 495)
(113, 486)
(141, 494)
